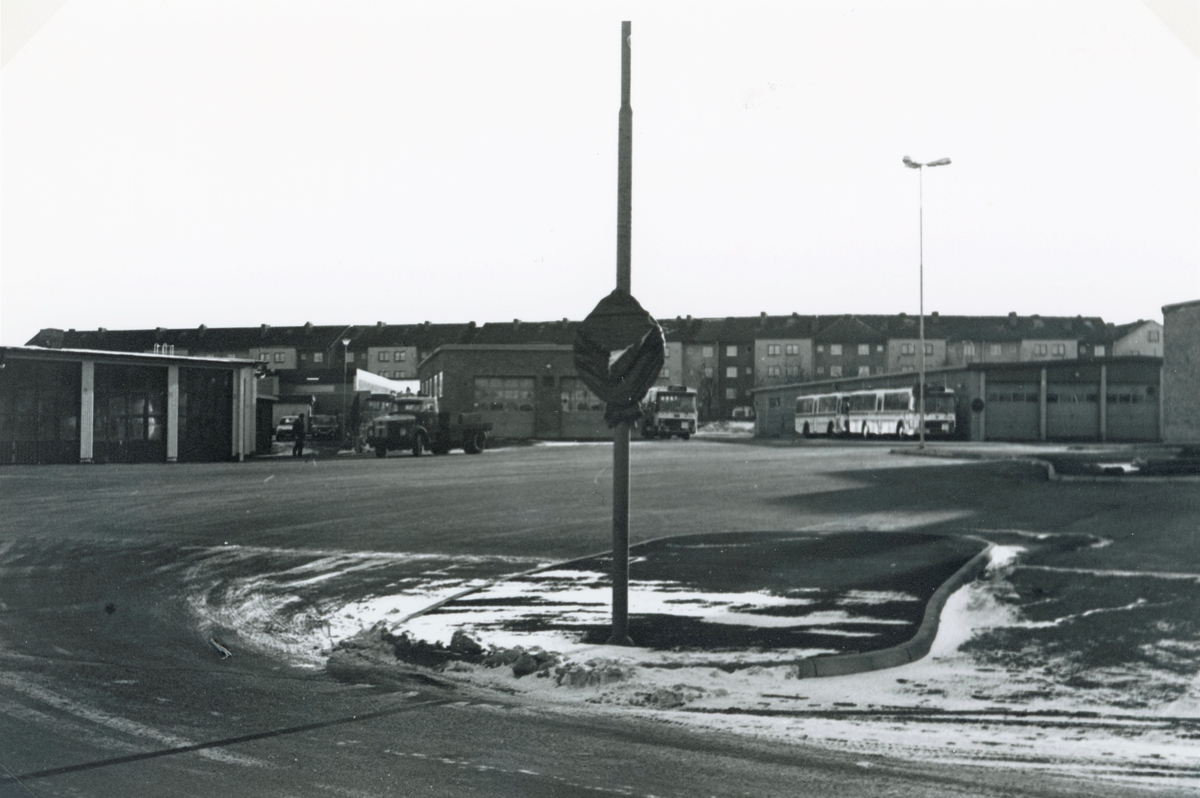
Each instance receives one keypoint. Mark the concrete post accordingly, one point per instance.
(1042, 407)
(87, 412)
(238, 416)
(983, 398)
(1103, 402)
(172, 414)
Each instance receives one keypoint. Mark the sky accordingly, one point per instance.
(174, 163)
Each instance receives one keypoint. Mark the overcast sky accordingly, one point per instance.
(175, 163)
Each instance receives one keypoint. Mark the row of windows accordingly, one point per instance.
(1067, 397)
(394, 375)
(835, 350)
(399, 356)
(778, 349)
(1056, 350)
(910, 349)
(836, 371)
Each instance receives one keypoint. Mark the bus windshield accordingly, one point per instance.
(677, 402)
(939, 404)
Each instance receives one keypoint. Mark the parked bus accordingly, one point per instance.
(669, 411)
(882, 411)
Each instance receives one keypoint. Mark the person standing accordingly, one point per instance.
(298, 431)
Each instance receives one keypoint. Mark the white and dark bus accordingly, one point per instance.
(881, 411)
(669, 411)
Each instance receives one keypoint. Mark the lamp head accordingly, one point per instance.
(910, 163)
(939, 162)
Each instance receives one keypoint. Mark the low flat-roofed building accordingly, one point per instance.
(90, 406)
(1117, 400)
(524, 390)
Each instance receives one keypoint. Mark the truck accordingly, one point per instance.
(668, 411)
(416, 424)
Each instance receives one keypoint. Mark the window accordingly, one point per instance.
(707, 351)
(665, 373)
(878, 347)
(279, 357)
(576, 398)
(968, 349)
(864, 349)
(907, 349)
(731, 351)
(928, 350)
(1098, 350)
(749, 371)
(304, 355)
(835, 371)
(774, 349)
(264, 357)
(399, 356)
(397, 375)
(1039, 349)
(349, 356)
(666, 351)
(504, 393)
(774, 371)
(820, 347)
(908, 368)
(1153, 335)
(864, 371)
(318, 357)
(821, 370)
(1058, 350)
(383, 357)
(731, 393)
(835, 350)
(792, 349)
(773, 401)
(997, 350)
(708, 372)
(895, 400)
(731, 372)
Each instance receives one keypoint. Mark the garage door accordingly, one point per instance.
(1012, 412)
(1132, 412)
(1072, 413)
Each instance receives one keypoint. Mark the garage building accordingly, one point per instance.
(1117, 400)
(88, 406)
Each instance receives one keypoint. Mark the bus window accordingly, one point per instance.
(896, 400)
(828, 404)
(805, 406)
(862, 402)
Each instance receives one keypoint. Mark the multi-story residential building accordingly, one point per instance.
(722, 358)
(1137, 338)
(849, 347)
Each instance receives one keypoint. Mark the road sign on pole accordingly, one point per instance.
(619, 352)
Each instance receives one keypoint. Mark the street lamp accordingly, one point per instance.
(345, 381)
(920, 167)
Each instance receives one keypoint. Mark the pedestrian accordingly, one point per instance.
(298, 430)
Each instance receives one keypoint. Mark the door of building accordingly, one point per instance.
(131, 414)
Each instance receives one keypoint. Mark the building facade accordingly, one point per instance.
(1181, 373)
(89, 406)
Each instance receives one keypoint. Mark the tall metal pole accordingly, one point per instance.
(620, 548)
(921, 323)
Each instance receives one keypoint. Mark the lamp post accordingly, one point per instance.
(920, 167)
(345, 382)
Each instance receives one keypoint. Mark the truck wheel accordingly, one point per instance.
(476, 443)
(380, 450)
(418, 445)
(686, 435)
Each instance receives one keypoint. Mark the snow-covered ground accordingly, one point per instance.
(1004, 684)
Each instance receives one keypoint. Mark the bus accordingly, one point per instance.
(668, 411)
(881, 411)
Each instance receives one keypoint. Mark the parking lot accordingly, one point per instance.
(1091, 627)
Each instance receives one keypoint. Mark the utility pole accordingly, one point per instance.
(620, 549)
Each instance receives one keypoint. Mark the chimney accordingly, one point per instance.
(263, 329)
(379, 325)
(933, 315)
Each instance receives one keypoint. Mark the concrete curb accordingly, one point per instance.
(914, 649)
(1051, 473)
(835, 665)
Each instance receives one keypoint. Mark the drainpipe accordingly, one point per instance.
(1103, 402)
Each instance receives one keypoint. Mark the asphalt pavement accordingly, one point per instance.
(118, 582)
